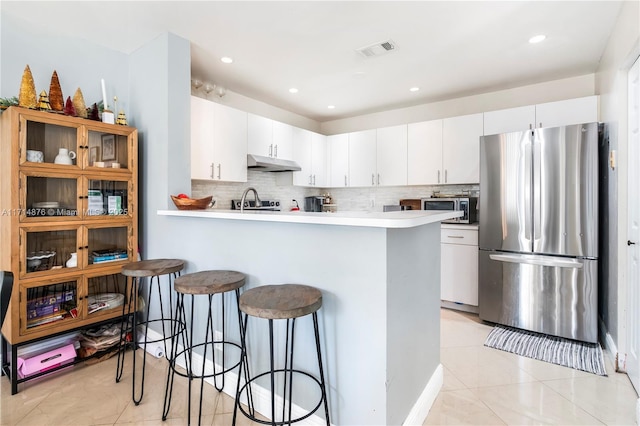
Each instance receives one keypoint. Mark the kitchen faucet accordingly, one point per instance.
(257, 201)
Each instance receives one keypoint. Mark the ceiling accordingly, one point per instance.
(448, 49)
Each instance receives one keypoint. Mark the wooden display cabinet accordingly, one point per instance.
(52, 208)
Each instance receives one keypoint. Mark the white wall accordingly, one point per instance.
(79, 64)
(611, 84)
(556, 90)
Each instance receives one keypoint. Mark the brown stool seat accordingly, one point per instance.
(209, 282)
(282, 301)
(152, 267)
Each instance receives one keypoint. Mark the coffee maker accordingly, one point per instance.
(314, 204)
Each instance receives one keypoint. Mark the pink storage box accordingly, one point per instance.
(46, 361)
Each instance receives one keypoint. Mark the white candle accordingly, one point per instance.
(104, 95)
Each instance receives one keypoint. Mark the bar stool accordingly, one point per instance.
(207, 283)
(152, 269)
(285, 301)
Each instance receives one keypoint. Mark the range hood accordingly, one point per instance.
(269, 164)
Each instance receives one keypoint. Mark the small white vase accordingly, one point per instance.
(73, 261)
(65, 156)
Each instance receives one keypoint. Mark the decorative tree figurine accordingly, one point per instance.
(122, 119)
(55, 93)
(27, 96)
(78, 104)
(94, 114)
(69, 109)
(43, 102)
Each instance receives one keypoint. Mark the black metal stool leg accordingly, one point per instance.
(125, 320)
(322, 382)
(273, 380)
(171, 372)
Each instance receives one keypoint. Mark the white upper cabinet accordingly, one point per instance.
(319, 159)
(565, 113)
(282, 140)
(260, 135)
(391, 156)
(202, 113)
(218, 142)
(310, 152)
(302, 156)
(424, 153)
(269, 138)
(338, 159)
(461, 148)
(362, 158)
(550, 114)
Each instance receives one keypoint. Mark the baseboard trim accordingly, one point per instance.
(420, 410)
(610, 347)
(261, 396)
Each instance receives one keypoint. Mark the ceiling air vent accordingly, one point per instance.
(377, 49)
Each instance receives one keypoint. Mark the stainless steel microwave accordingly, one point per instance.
(468, 205)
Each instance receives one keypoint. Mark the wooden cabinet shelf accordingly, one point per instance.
(69, 186)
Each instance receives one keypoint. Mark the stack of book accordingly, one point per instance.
(109, 255)
(43, 310)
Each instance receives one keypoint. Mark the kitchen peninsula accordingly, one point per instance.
(380, 278)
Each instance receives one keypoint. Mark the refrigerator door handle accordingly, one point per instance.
(556, 262)
(528, 190)
(537, 185)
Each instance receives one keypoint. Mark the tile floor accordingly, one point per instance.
(481, 386)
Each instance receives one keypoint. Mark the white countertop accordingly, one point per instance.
(401, 219)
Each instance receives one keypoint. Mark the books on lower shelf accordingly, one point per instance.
(100, 256)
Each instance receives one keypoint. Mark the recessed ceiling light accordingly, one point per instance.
(414, 89)
(537, 39)
(331, 106)
(226, 59)
(293, 90)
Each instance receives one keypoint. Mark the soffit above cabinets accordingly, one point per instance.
(447, 49)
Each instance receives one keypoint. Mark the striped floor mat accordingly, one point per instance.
(556, 350)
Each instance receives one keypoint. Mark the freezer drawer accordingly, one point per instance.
(546, 294)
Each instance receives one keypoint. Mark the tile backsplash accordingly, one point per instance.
(278, 186)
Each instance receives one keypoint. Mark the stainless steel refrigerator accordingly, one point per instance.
(538, 234)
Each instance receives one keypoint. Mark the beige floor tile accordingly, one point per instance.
(451, 382)
(460, 407)
(609, 399)
(479, 366)
(542, 370)
(532, 403)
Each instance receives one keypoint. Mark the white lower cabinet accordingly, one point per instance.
(459, 266)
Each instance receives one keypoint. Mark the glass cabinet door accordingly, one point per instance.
(108, 244)
(47, 143)
(107, 198)
(49, 304)
(45, 195)
(107, 150)
(46, 250)
(105, 293)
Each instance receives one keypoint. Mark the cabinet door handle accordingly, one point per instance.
(345, 180)
(438, 176)
(378, 178)
(541, 124)
(455, 236)
(314, 180)
(219, 170)
(212, 170)
(275, 151)
(271, 150)
(445, 176)
(310, 181)
(373, 179)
